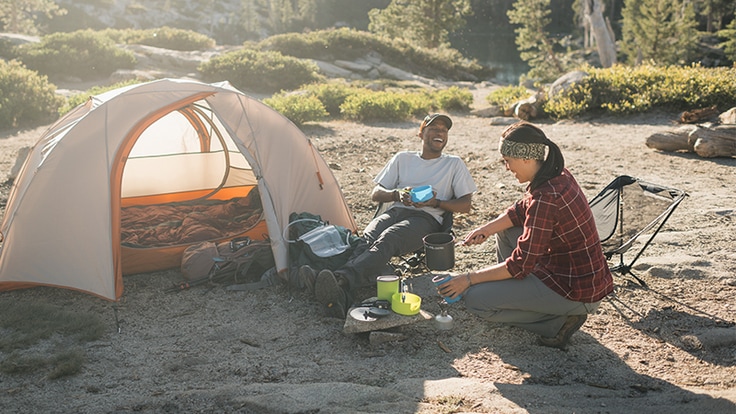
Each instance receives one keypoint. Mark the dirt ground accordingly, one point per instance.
(666, 348)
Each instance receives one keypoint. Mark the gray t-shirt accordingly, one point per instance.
(448, 175)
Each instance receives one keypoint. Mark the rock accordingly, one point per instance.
(728, 117)
(393, 320)
(565, 81)
(122, 75)
(332, 71)
(503, 120)
(19, 39)
(712, 338)
(356, 66)
(487, 112)
(391, 72)
(150, 57)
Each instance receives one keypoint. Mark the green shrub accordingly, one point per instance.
(453, 99)
(577, 100)
(8, 50)
(505, 97)
(298, 107)
(376, 106)
(350, 44)
(420, 102)
(164, 37)
(83, 54)
(624, 89)
(26, 98)
(332, 95)
(259, 71)
(352, 102)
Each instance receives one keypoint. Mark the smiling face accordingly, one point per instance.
(434, 139)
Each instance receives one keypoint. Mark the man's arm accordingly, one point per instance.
(381, 194)
(457, 205)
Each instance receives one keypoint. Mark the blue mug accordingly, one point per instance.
(441, 279)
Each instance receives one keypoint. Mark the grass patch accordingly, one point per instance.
(25, 325)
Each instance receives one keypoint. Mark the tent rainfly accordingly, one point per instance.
(125, 182)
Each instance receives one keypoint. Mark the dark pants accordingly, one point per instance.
(395, 232)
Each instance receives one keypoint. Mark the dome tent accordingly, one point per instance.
(159, 143)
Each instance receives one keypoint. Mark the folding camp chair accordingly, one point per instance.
(645, 206)
(414, 262)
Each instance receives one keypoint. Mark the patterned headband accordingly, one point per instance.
(513, 149)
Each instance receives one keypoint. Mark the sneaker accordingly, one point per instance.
(307, 278)
(328, 292)
(571, 325)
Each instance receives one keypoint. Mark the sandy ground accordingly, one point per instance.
(669, 348)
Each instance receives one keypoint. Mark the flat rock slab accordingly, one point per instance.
(392, 320)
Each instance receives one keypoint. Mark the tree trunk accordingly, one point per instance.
(603, 38)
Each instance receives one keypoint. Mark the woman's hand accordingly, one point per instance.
(476, 236)
(456, 286)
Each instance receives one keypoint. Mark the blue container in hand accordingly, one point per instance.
(421, 194)
(441, 279)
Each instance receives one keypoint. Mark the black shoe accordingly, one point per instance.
(307, 278)
(571, 325)
(328, 292)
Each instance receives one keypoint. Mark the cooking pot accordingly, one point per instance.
(439, 251)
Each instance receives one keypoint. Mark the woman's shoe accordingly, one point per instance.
(571, 325)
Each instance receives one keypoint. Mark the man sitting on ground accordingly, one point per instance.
(401, 228)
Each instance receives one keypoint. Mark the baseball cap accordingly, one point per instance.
(429, 119)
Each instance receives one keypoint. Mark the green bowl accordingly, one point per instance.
(406, 304)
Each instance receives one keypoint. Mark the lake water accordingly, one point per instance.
(496, 50)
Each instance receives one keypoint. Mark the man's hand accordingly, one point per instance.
(432, 202)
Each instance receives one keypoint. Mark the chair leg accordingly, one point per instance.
(624, 270)
(641, 282)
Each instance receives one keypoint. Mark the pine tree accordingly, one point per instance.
(729, 45)
(427, 23)
(660, 31)
(251, 17)
(536, 46)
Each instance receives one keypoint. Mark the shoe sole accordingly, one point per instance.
(329, 293)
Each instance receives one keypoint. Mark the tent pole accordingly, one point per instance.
(117, 320)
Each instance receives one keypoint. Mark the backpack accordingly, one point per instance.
(242, 259)
(317, 243)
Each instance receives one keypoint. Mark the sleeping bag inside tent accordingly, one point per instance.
(127, 181)
(192, 186)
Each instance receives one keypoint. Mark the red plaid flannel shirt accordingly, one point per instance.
(560, 243)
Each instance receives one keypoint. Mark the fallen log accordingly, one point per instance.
(672, 141)
(719, 141)
(699, 115)
(707, 140)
